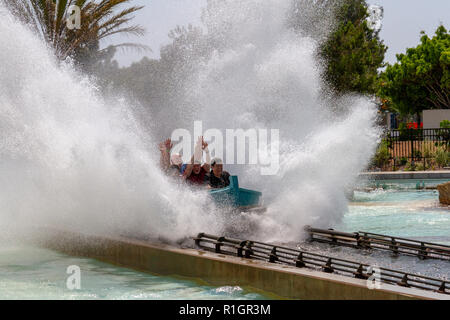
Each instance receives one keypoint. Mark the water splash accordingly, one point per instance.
(266, 74)
(74, 161)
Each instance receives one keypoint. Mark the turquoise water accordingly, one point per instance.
(393, 208)
(399, 209)
(34, 273)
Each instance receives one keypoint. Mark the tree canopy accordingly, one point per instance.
(420, 79)
(98, 20)
(353, 53)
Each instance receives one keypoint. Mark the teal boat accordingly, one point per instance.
(235, 197)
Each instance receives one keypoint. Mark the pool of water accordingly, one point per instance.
(394, 207)
(35, 273)
(398, 208)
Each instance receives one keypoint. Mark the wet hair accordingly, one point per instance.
(216, 161)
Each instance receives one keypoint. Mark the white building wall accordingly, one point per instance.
(432, 118)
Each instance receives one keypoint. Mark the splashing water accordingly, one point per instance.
(266, 75)
(72, 160)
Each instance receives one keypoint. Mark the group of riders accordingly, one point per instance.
(210, 174)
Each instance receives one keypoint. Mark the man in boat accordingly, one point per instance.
(195, 173)
(170, 164)
(218, 177)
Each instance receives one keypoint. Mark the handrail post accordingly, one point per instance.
(442, 288)
(299, 263)
(423, 251)
(394, 246)
(248, 250)
(240, 248)
(218, 244)
(404, 282)
(359, 242)
(366, 240)
(328, 268)
(198, 239)
(359, 274)
(273, 255)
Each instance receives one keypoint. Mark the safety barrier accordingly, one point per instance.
(367, 240)
(301, 259)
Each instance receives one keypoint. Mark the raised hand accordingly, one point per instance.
(204, 144)
(168, 144)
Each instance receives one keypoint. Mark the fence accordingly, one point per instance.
(373, 241)
(416, 145)
(305, 259)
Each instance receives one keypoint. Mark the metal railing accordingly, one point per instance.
(415, 145)
(367, 240)
(303, 259)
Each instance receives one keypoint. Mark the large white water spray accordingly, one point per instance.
(265, 74)
(71, 160)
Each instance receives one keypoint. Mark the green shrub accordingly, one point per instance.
(445, 124)
(403, 161)
(400, 162)
(420, 166)
(417, 154)
(409, 167)
(443, 134)
(383, 155)
(442, 157)
(427, 153)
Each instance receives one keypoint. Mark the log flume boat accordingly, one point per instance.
(237, 198)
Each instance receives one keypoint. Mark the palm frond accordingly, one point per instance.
(99, 19)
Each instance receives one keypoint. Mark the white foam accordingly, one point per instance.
(265, 75)
(70, 159)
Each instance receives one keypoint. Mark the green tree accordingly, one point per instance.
(353, 53)
(99, 20)
(420, 79)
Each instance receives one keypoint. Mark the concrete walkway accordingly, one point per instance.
(394, 175)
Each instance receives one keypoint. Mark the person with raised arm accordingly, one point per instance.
(195, 173)
(170, 164)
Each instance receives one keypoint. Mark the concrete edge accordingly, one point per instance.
(219, 270)
(393, 175)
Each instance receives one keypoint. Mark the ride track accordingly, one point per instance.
(367, 240)
(303, 259)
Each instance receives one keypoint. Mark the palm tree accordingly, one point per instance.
(99, 20)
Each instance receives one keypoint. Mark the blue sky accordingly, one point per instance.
(402, 23)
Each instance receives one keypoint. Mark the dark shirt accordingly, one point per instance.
(197, 179)
(222, 182)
